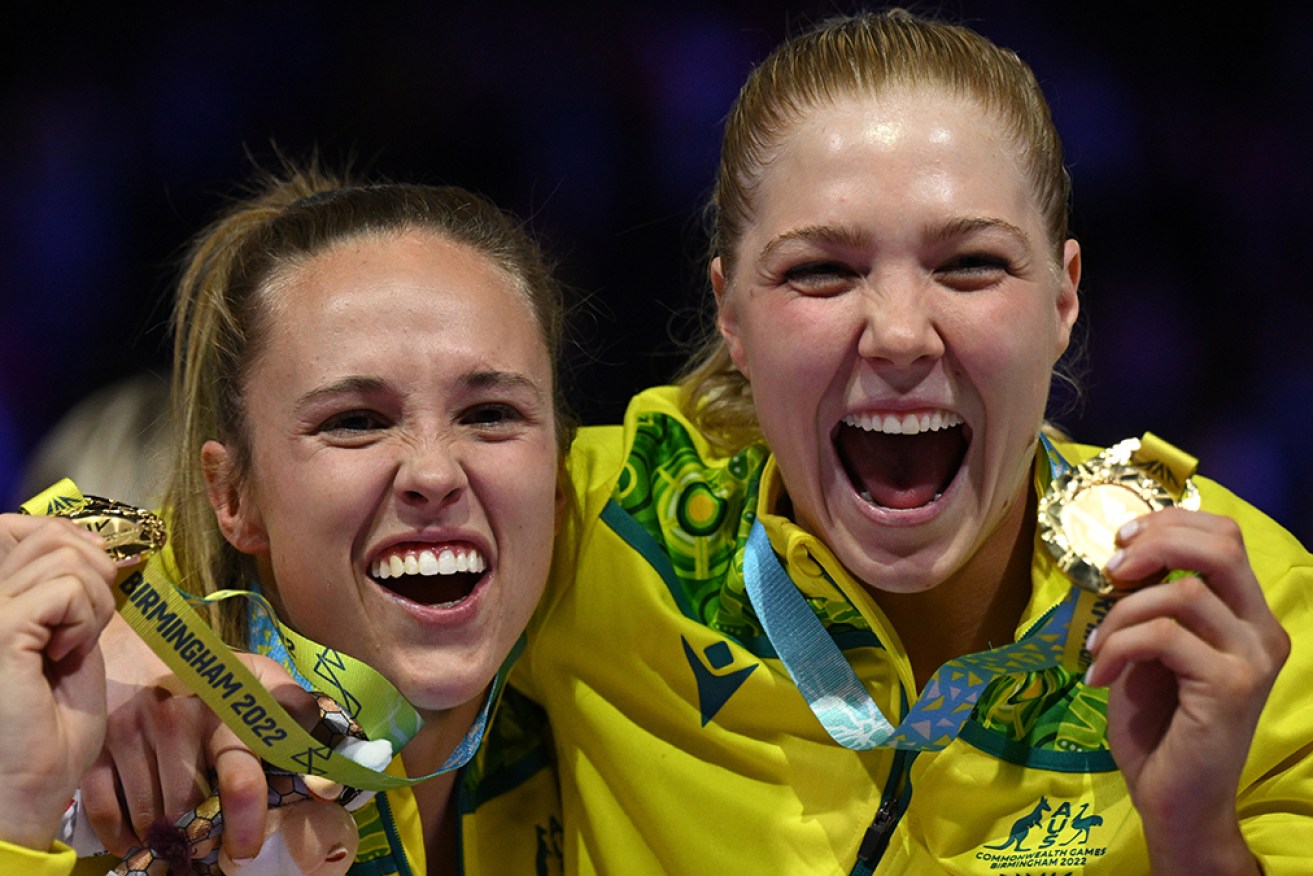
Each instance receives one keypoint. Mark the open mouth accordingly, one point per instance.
(902, 461)
(430, 576)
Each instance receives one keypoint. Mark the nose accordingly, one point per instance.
(431, 473)
(898, 327)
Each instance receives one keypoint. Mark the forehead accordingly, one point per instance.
(900, 115)
(371, 261)
(909, 145)
(411, 293)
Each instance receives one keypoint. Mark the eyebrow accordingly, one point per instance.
(972, 224)
(346, 386)
(492, 379)
(473, 380)
(833, 235)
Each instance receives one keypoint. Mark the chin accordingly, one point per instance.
(438, 692)
(899, 555)
(906, 575)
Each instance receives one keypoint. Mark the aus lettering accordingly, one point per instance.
(1079, 826)
(253, 715)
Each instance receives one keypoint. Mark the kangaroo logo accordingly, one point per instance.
(1021, 827)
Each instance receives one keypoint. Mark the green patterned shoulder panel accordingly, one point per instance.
(694, 512)
(690, 517)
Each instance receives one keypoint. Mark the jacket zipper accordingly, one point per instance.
(398, 849)
(877, 835)
(897, 792)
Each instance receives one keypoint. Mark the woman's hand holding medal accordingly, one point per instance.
(1188, 664)
(55, 598)
(161, 744)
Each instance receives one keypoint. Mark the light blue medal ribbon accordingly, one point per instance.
(823, 676)
(834, 692)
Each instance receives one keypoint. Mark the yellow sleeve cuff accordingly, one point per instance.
(57, 861)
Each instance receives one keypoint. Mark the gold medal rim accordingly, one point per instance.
(1113, 467)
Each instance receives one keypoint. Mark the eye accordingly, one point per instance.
(820, 278)
(351, 423)
(970, 271)
(492, 416)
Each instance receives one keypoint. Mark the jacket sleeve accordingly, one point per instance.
(58, 861)
(1275, 799)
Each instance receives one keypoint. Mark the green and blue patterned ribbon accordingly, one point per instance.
(836, 695)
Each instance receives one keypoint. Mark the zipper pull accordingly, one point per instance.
(877, 835)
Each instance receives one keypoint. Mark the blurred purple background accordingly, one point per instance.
(122, 127)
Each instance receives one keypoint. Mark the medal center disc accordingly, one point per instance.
(1091, 518)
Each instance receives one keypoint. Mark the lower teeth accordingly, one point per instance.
(866, 497)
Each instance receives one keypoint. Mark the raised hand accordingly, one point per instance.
(1189, 664)
(55, 599)
(162, 741)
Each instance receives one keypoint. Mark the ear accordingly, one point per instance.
(238, 516)
(727, 316)
(1068, 300)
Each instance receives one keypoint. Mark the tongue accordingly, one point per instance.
(901, 471)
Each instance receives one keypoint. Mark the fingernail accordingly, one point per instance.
(1129, 529)
(242, 862)
(1089, 640)
(322, 788)
(1115, 560)
(1089, 673)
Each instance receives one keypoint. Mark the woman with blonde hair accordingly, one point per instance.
(841, 641)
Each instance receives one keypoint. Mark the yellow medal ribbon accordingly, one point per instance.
(161, 615)
(378, 707)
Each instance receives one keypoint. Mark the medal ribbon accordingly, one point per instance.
(836, 695)
(161, 615)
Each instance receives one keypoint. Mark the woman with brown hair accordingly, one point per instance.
(369, 430)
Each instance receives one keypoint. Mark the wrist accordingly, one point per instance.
(1202, 852)
(21, 826)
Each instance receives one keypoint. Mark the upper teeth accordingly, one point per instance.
(429, 561)
(904, 424)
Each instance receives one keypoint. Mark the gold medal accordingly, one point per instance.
(1084, 508)
(131, 534)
